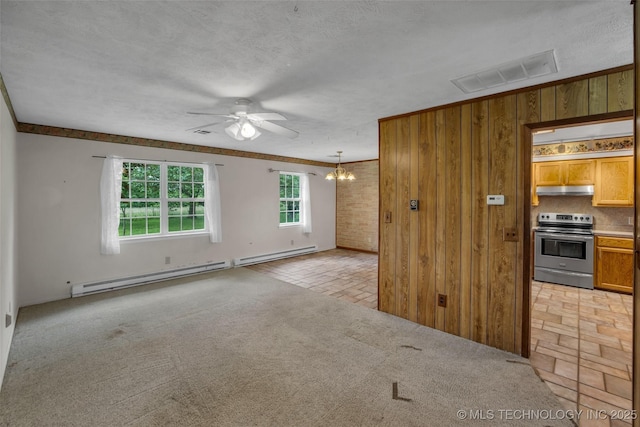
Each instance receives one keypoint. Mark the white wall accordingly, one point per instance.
(59, 245)
(8, 225)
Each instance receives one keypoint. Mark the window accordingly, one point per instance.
(161, 199)
(290, 200)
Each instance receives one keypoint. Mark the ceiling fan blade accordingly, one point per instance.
(266, 116)
(204, 126)
(277, 129)
(211, 114)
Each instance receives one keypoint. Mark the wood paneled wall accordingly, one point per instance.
(450, 158)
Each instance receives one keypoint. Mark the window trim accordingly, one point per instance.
(164, 203)
(299, 199)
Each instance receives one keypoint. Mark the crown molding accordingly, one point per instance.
(156, 143)
(7, 100)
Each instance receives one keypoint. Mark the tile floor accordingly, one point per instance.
(580, 339)
(581, 347)
(344, 274)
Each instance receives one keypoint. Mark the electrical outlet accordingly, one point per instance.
(509, 234)
(167, 260)
(442, 300)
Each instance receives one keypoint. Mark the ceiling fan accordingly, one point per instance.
(243, 124)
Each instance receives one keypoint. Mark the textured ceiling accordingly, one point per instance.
(333, 68)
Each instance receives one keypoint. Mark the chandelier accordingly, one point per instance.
(340, 173)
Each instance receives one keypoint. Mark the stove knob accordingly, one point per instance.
(581, 218)
(587, 218)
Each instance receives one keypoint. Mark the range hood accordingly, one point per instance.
(565, 190)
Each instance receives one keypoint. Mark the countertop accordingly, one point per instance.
(613, 233)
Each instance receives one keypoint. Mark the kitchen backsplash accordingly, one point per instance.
(606, 219)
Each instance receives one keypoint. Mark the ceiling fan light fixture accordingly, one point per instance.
(234, 131)
(241, 131)
(247, 130)
(242, 124)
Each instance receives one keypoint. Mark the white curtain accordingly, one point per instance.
(110, 188)
(212, 203)
(305, 195)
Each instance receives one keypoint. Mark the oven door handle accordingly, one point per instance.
(565, 236)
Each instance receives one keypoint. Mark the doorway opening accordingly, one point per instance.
(581, 332)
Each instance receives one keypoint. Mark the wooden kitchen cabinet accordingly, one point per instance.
(614, 182)
(548, 173)
(614, 264)
(565, 172)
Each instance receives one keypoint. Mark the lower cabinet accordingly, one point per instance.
(614, 264)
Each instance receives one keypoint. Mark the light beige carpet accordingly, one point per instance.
(237, 348)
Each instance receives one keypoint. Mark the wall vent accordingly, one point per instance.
(126, 282)
(537, 65)
(201, 131)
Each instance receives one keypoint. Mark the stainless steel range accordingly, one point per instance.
(564, 249)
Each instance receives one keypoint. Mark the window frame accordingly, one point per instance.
(290, 199)
(164, 201)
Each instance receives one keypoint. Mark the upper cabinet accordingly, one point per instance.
(612, 178)
(614, 182)
(567, 172)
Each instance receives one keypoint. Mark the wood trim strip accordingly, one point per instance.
(7, 100)
(583, 120)
(156, 143)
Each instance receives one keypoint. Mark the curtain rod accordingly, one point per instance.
(154, 160)
(278, 170)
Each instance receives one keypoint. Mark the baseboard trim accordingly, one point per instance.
(357, 250)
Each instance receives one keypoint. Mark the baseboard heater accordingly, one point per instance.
(126, 282)
(256, 259)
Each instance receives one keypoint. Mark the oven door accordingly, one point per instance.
(564, 258)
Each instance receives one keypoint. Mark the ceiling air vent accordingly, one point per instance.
(201, 131)
(537, 65)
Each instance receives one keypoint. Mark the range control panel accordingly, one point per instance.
(565, 218)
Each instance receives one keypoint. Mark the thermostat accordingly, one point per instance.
(495, 199)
